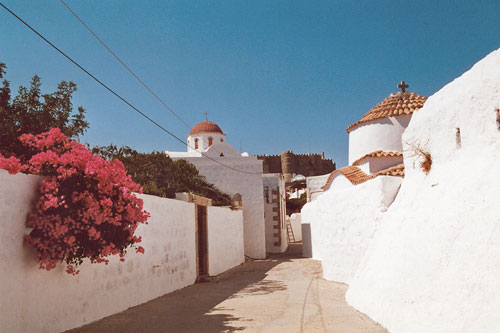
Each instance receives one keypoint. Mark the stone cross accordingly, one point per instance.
(206, 115)
(403, 86)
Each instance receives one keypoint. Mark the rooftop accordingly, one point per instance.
(357, 176)
(377, 154)
(397, 104)
(206, 127)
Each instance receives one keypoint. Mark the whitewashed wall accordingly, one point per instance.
(34, 300)
(313, 186)
(434, 265)
(249, 185)
(344, 222)
(203, 141)
(273, 182)
(381, 134)
(296, 226)
(225, 239)
(373, 165)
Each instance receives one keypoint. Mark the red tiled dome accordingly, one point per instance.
(206, 127)
(397, 104)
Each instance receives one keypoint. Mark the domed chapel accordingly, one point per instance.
(375, 141)
(235, 173)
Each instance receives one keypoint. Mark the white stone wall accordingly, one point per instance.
(313, 186)
(381, 134)
(373, 165)
(434, 264)
(34, 300)
(275, 182)
(203, 141)
(344, 222)
(249, 185)
(225, 239)
(296, 226)
(340, 182)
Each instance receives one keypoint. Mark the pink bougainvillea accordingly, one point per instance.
(86, 207)
(11, 164)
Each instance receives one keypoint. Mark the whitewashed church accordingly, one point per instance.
(351, 200)
(235, 173)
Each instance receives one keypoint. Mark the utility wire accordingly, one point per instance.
(151, 91)
(125, 65)
(118, 96)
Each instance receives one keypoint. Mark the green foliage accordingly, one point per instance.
(161, 176)
(32, 112)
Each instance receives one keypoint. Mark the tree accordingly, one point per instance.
(161, 176)
(32, 112)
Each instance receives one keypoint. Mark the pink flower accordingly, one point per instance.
(84, 197)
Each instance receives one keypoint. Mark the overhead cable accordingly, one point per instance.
(118, 96)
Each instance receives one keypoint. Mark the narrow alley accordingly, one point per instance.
(284, 293)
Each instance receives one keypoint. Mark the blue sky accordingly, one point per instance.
(275, 75)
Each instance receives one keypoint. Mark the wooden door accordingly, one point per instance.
(201, 242)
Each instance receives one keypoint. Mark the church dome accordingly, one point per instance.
(206, 127)
(398, 104)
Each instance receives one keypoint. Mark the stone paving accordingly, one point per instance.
(284, 293)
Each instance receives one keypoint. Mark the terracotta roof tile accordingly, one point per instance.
(357, 176)
(397, 170)
(205, 127)
(353, 173)
(378, 153)
(397, 104)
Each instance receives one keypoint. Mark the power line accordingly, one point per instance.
(151, 91)
(125, 65)
(117, 95)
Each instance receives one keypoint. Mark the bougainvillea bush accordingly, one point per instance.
(86, 208)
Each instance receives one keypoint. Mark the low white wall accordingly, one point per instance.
(434, 265)
(249, 185)
(344, 222)
(35, 300)
(225, 239)
(314, 184)
(306, 241)
(375, 164)
(296, 226)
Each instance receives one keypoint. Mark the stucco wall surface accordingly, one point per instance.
(250, 186)
(434, 265)
(374, 165)
(296, 226)
(344, 222)
(381, 134)
(225, 239)
(35, 300)
(314, 185)
(275, 213)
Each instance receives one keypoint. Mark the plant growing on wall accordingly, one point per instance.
(85, 209)
(417, 150)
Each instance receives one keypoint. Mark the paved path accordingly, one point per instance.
(284, 293)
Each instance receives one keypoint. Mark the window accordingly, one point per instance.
(221, 140)
(196, 143)
(210, 141)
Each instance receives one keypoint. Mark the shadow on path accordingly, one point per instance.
(188, 309)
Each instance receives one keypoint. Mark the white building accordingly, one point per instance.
(345, 217)
(275, 213)
(232, 172)
(375, 144)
